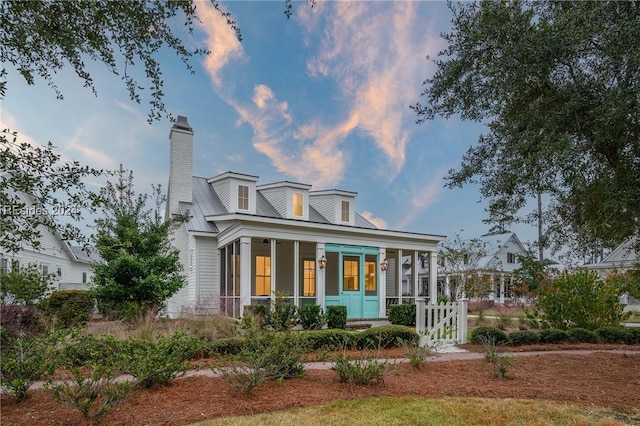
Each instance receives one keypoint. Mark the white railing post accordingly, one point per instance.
(420, 317)
(463, 305)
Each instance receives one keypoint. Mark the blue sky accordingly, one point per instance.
(322, 99)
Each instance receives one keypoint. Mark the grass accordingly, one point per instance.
(449, 411)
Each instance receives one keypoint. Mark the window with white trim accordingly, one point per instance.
(345, 211)
(243, 197)
(297, 204)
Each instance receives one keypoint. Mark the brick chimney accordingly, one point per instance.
(180, 166)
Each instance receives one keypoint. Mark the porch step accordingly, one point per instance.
(357, 326)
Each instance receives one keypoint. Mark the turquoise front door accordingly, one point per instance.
(352, 280)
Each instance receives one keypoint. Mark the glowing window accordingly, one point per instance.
(263, 275)
(351, 269)
(297, 204)
(309, 278)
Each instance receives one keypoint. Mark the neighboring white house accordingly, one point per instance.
(53, 256)
(246, 240)
(495, 256)
(622, 258)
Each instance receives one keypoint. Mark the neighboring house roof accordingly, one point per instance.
(622, 257)
(90, 255)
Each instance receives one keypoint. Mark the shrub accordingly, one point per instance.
(337, 316)
(497, 363)
(582, 300)
(25, 285)
(524, 337)
(612, 334)
(225, 347)
(159, 362)
(359, 371)
(329, 339)
(24, 361)
(83, 349)
(278, 354)
(483, 333)
(71, 307)
(402, 314)
(283, 314)
(553, 335)
(386, 337)
(21, 320)
(632, 336)
(93, 395)
(582, 335)
(255, 315)
(312, 317)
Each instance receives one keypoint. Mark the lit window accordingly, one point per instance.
(351, 278)
(263, 275)
(345, 211)
(309, 278)
(297, 204)
(243, 197)
(370, 270)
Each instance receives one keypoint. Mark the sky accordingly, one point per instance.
(322, 98)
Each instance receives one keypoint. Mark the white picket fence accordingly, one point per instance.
(444, 323)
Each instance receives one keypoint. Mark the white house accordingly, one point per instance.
(54, 256)
(246, 240)
(495, 256)
(622, 258)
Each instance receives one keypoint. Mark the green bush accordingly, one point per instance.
(485, 333)
(402, 314)
(612, 334)
(283, 315)
(329, 339)
(225, 347)
(632, 336)
(359, 371)
(278, 354)
(71, 307)
(24, 361)
(386, 337)
(524, 337)
(312, 317)
(159, 362)
(582, 335)
(581, 299)
(553, 335)
(337, 316)
(85, 349)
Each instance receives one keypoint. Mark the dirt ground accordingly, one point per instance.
(605, 379)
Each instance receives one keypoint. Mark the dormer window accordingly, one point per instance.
(243, 197)
(345, 211)
(511, 258)
(297, 204)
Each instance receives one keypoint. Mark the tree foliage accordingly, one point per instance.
(558, 86)
(25, 285)
(40, 38)
(140, 270)
(36, 189)
(581, 299)
(531, 276)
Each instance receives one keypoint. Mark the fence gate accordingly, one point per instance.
(443, 323)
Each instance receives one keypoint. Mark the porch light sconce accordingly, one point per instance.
(384, 265)
(265, 242)
(322, 262)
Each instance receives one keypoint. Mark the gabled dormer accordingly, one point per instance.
(290, 199)
(236, 191)
(337, 206)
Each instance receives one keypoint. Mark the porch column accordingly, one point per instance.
(320, 277)
(502, 288)
(296, 273)
(382, 284)
(414, 274)
(433, 277)
(399, 276)
(272, 256)
(245, 273)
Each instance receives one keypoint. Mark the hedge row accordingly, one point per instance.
(330, 339)
(630, 336)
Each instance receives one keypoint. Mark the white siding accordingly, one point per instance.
(223, 191)
(278, 199)
(207, 266)
(325, 206)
